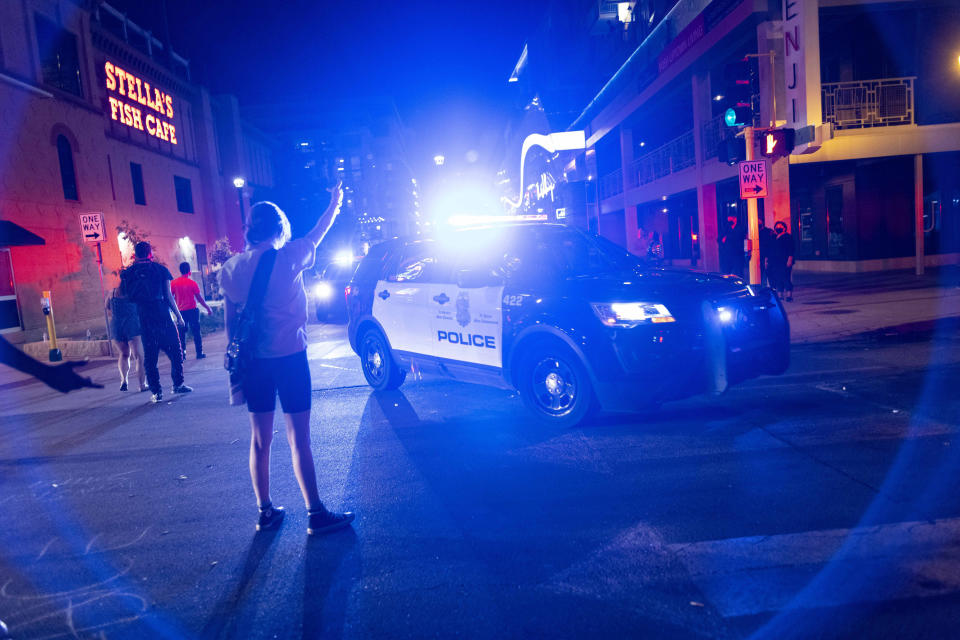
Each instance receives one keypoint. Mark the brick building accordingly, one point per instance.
(98, 115)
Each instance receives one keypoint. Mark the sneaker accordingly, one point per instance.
(157, 397)
(182, 388)
(123, 386)
(270, 518)
(326, 521)
(201, 356)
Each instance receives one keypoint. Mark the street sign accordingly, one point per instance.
(753, 179)
(91, 227)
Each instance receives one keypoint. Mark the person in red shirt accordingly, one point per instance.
(187, 294)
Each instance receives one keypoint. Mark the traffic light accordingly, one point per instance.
(732, 149)
(739, 91)
(776, 143)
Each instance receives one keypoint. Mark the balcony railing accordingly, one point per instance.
(611, 184)
(712, 133)
(672, 157)
(883, 102)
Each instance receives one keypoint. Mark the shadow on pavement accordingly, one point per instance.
(324, 556)
(222, 622)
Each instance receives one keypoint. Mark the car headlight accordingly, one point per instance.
(323, 291)
(725, 315)
(631, 314)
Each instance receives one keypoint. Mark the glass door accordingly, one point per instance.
(9, 309)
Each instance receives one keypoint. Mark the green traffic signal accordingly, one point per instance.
(737, 116)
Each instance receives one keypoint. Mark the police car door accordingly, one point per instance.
(399, 302)
(466, 317)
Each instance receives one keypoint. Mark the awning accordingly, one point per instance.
(13, 235)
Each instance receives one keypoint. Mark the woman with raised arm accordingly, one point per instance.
(279, 366)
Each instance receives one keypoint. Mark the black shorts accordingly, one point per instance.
(288, 377)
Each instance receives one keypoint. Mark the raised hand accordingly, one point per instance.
(336, 197)
(63, 378)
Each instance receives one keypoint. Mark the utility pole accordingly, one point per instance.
(753, 224)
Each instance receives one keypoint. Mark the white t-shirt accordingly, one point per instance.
(284, 328)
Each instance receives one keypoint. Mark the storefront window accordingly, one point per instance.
(9, 311)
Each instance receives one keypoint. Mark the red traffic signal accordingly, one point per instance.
(776, 143)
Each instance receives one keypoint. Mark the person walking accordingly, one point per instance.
(655, 249)
(186, 292)
(782, 258)
(731, 246)
(279, 366)
(148, 284)
(125, 333)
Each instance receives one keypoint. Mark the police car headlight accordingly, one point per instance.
(630, 314)
(323, 291)
(725, 315)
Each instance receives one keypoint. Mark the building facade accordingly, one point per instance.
(872, 90)
(361, 143)
(98, 116)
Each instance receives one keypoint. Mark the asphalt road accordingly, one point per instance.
(822, 503)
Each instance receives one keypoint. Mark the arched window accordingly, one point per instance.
(67, 174)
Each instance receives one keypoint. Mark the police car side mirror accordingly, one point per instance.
(476, 278)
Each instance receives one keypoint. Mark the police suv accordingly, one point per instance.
(572, 321)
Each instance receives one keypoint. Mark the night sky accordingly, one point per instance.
(445, 63)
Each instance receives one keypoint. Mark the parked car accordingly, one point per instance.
(326, 289)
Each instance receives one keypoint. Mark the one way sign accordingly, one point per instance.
(753, 179)
(91, 227)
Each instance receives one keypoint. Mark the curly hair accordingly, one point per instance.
(267, 222)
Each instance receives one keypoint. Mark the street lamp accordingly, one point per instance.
(238, 182)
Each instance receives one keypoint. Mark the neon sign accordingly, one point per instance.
(159, 105)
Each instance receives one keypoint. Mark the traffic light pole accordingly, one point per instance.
(753, 223)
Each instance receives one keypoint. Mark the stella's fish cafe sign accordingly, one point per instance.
(155, 107)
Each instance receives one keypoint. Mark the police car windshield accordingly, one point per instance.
(575, 254)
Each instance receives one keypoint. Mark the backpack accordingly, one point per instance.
(139, 283)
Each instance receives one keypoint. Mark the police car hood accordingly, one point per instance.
(656, 285)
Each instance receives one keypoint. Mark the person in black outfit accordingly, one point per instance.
(731, 246)
(766, 246)
(148, 284)
(781, 262)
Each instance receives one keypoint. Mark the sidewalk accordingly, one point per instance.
(829, 307)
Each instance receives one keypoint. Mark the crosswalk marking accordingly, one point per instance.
(760, 574)
(757, 574)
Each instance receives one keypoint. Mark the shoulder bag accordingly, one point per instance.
(240, 351)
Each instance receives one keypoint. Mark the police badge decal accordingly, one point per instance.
(463, 309)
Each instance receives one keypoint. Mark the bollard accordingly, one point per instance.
(55, 355)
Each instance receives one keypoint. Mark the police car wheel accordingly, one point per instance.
(555, 386)
(379, 368)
